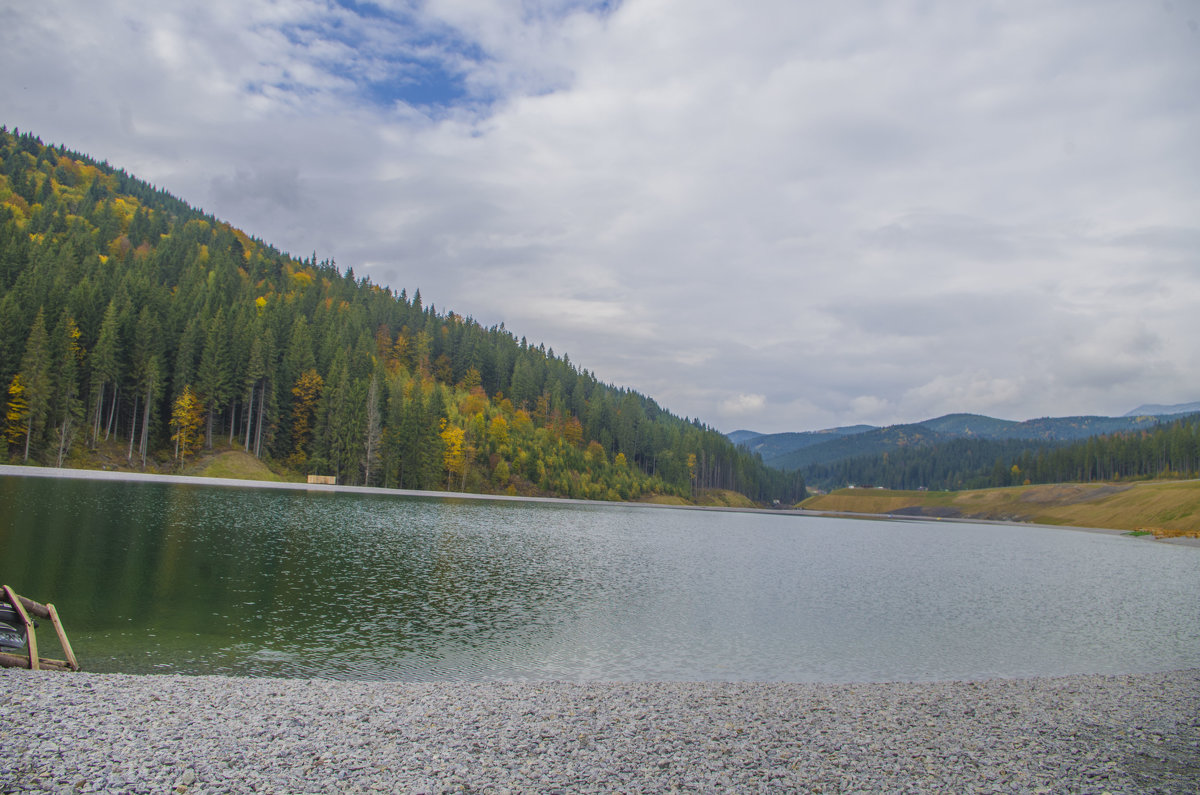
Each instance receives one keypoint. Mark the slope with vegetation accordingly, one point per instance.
(1166, 509)
(131, 321)
(1169, 449)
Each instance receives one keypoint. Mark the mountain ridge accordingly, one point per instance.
(795, 450)
(1158, 410)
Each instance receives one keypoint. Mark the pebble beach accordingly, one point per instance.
(66, 733)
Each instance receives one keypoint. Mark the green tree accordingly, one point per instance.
(70, 407)
(147, 376)
(213, 374)
(106, 369)
(35, 377)
(373, 432)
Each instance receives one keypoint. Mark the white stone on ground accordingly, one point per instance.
(147, 734)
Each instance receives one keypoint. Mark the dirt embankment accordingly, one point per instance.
(1165, 508)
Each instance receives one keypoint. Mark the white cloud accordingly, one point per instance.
(854, 211)
(743, 404)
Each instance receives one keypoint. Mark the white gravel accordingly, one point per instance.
(116, 733)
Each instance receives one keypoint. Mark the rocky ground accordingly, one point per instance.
(1079, 734)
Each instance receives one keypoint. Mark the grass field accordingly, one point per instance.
(233, 464)
(1165, 508)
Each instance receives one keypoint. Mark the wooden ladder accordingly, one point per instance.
(26, 607)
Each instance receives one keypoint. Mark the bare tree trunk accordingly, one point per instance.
(258, 431)
(373, 428)
(62, 439)
(132, 429)
(97, 414)
(112, 411)
(250, 418)
(145, 428)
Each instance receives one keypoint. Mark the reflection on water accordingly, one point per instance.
(198, 579)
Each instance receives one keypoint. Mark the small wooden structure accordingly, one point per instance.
(323, 480)
(24, 609)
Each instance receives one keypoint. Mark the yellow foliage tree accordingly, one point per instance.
(498, 432)
(521, 421)
(595, 454)
(573, 432)
(18, 412)
(471, 378)
(476, 402)
(306, 391)
(452, 453)
(187, 416)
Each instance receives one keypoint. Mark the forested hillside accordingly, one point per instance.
(126, 315)
(802, 450)
(1166, 449)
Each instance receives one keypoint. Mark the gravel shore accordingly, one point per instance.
(116, 733)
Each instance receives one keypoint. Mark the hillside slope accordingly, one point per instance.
(126, 314)
(1164, 508)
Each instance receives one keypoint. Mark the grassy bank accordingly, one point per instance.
(1165, 508)
(231, 461)
(223, 461)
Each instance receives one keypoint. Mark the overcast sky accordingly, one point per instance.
(770, 214)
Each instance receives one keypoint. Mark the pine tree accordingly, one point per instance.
(35, 377)
(106, 368)
(213, 374)
(373, 433)
(69, 406)
(152, 383)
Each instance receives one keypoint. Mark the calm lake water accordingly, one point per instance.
(154, 577)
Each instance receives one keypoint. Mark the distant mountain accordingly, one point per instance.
(970, 425)
(741, 437)
(798, 450)
(774, 445)
(1153, 409)
(913, 457)
(875, 441)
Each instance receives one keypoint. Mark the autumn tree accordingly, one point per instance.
(187, 417)
(17, 414)
(453, 458)
(306, 394)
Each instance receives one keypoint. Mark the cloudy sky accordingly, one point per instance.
(770, 214)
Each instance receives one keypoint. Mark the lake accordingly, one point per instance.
(201, 579)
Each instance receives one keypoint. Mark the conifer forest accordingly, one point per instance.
(131, 321)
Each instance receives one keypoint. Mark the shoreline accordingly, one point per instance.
(117, 732)
(197, 480)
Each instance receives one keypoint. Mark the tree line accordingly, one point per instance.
(1167, 450)
(128, 316)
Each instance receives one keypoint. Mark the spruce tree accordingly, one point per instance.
(38, 385)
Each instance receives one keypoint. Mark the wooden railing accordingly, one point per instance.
(26, 608)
